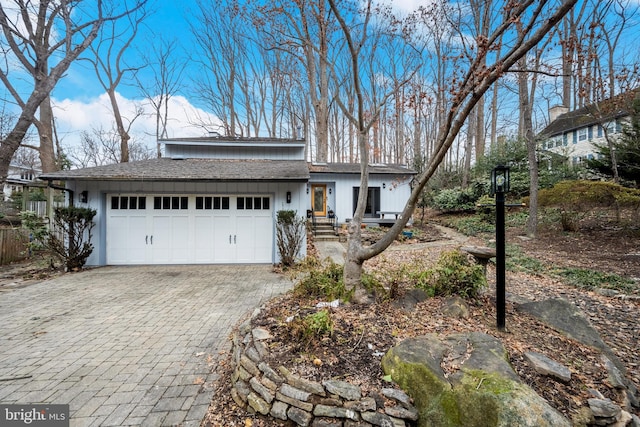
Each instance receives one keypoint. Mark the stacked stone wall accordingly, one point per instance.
(278, 393)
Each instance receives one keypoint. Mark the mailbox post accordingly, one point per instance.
(499, 187)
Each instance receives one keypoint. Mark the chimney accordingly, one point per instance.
(556, 111)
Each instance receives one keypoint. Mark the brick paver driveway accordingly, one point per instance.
(126, 345)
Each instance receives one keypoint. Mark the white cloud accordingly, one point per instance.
(74, 116)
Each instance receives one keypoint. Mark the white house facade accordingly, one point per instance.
(18, 178)
(208, 201)
(575, 134)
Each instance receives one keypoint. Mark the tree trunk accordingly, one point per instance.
(45, 131)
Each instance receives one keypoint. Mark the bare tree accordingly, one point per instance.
(102, 147)
(28, 29)
(114, 40)
(167, 72)
(472, 82)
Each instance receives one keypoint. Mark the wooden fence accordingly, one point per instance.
(13, 245)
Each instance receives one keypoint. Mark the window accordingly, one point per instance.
(582, 135)
(252, 203)
(600, 131)
(212, 203)
(170, 203)
(128, 202)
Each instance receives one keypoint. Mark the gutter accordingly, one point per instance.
(50, 184)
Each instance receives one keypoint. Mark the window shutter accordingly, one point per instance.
(575, 136)
(590, 135)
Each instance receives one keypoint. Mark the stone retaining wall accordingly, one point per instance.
(280, 394)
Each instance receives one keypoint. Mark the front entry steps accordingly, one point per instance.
(325, 231)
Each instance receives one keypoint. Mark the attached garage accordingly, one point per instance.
(195, 229)
(189, 210)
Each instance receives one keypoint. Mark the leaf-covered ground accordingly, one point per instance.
(362, 334)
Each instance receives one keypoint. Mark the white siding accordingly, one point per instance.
(392, 198)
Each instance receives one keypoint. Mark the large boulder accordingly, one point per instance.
(466, 380)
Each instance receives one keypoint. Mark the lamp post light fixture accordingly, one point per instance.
(500, 186)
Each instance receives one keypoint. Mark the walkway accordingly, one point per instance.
(126, 345)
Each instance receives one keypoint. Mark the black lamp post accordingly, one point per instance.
(500, 186)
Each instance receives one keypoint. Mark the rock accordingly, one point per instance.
(455, 307)
(252, 354)
(301, 383)
(305, 406)
(248, 364)
(261, 334)
(262, 349)
(263, 391)
(279, 410)
(624, 420)
(300, 417)
(334, 412)
(484, 392)
(614, 376)
(294, 393)
(397, 395)
(258, 404)
(377, 419)
(343, 389)
(410, 299)
(566, 318)
(546, 366)
(326, 422)
(270, 373)
(400, 412)
(604, 408)
(243, 389)
(583, 417)
(362, 405)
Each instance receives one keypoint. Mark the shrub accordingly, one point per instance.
(313, 326)
(457, 199)
(453, 274)
(70, 239)
(290, 232)
(325, 283)
(574, 198)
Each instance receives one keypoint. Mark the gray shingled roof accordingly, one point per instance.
(598, 113)
(354, 168)
(190, 170)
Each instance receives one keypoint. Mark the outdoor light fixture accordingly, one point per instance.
(307, 188)
(84, 196)
(288, 196)
(384, 185)
(329, 190)
(500, 179)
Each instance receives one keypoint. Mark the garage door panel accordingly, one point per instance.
(203, 242)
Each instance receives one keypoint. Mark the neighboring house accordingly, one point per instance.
(214, 200)
(18, 178)
(573, 134)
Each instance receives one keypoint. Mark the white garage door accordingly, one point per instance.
(197, 229)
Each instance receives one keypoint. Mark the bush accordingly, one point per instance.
(290, 232)
(574, 198)
(458, 199)
(326, 283)
(70, 240)
(453, 274)
(313, 326)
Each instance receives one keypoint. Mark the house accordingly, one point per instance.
(18, 178)
(573, 134)
(214, 199)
